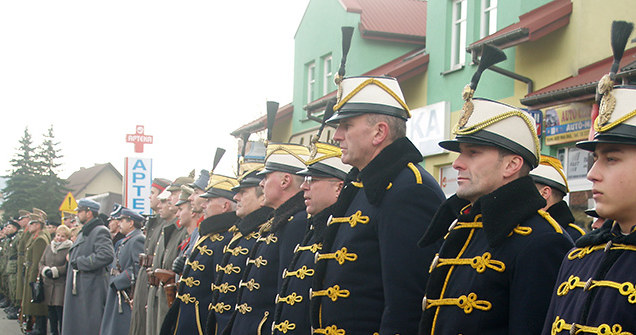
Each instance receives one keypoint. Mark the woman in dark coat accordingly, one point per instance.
(53, 272)
(34, 249)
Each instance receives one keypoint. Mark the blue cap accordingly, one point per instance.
(116, 213)
(87, 204)
(202, 182)
(129, 213)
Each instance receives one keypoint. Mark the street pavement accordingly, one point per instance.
(8, 327)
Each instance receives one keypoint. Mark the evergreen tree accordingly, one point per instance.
(52, 189)
(23, 179)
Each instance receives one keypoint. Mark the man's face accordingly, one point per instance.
(154, 202)
(113, 226)
(247, 201)
(33, 227)
(355, 136)
(196, 201)
(125, 225)
(10, 229)
(213, 206)
(24, 221)
(614, 180)
(82, 215)
(272, 190)
(480, 171)
(185, 214)
(320, 193)
(166, 210)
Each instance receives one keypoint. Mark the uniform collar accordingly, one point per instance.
(292, 206)
(254, 219)
(502, 210)
(217, 223)
(561, 213)
(385, 167)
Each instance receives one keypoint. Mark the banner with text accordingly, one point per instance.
(138, 178)
(428, 126)
(567, 123)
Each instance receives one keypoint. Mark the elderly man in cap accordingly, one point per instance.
(496, 267)
(249, 208)
(113, 224)
(370, 273)
(594, 292)
(553, 186)
(274, 249)
(189, 313)
(23, 238)
(86, 280)
(324, 179)
(152, 231)
(168, 247)
(117, 313)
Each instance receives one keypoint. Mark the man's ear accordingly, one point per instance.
(381, 133)
(285, 181)
(545, 191)
(513, 164)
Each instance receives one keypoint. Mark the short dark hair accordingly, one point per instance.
(525, 169)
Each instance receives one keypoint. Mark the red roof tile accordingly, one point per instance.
(396, 20)
(581, 86)
(531, 26)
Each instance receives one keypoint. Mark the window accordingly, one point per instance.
(458, 47)
(327, 74)
(488, 17)
(311, 82)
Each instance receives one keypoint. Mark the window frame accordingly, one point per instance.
(490, 13)
(458, 48)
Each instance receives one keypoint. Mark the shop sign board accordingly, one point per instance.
(567, 123)
(428, 126)
(138, 179)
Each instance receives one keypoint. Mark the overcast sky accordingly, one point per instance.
(189, 71)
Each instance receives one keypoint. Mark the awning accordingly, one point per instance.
(583, 85)
(261, 123)
(531, 26)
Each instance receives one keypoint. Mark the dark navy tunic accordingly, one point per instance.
(595, 292)
(230, 271)
(497, 265)
(563, 215)
(370, 273)
(270, 255)
(194, 296)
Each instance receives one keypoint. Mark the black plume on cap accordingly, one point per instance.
(347, 33)
(217, 157)
(489, 56)
(272, 108)
(620, 34)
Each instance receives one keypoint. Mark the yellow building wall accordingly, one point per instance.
(585, 40)
(106, 181)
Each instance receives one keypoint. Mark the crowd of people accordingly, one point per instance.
(356, 238)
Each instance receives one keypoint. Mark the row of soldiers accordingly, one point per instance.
(360, 239)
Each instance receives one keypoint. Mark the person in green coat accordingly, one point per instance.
(34, 249)
(23, 221)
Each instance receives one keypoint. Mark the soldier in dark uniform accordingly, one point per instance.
(117, 312)
(553, 186)
(498, 262)
(190, 310)
(152, 231)
(249, 208)
(324, 179)
(274, 249)
(370, 273)
(594, 292)
(10, 252)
